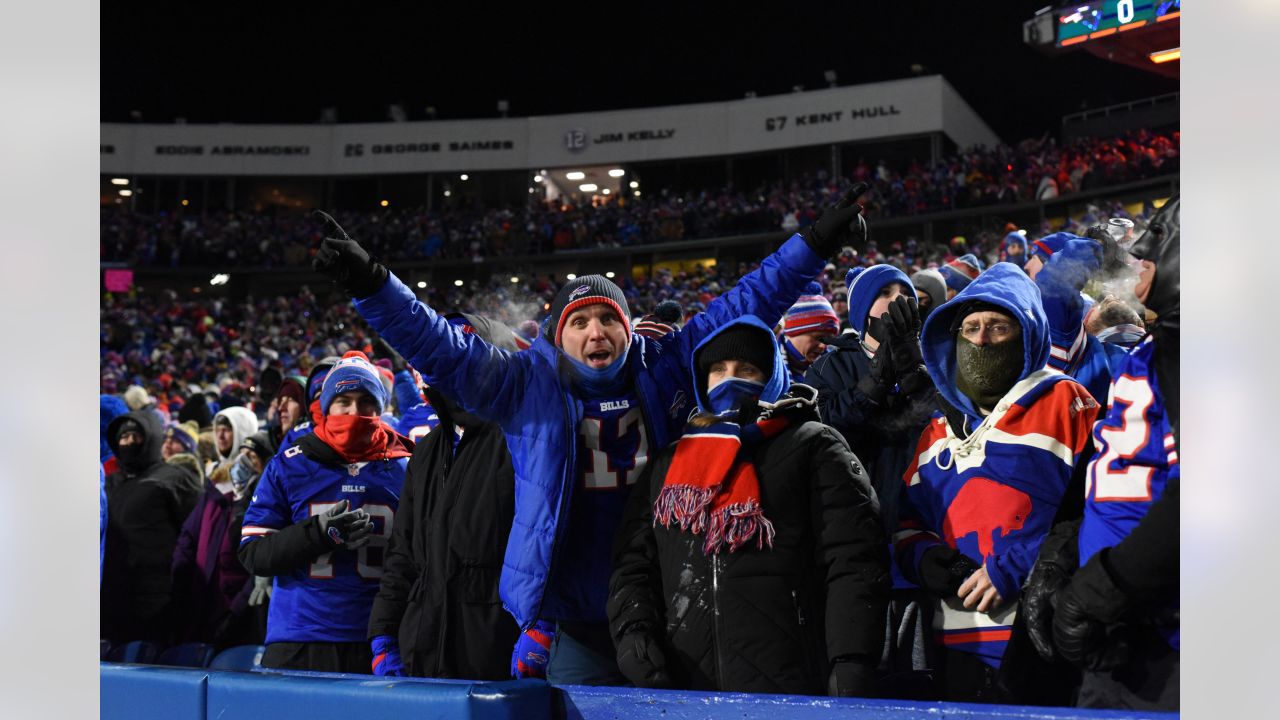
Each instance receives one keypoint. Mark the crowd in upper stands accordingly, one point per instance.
(1035, 169)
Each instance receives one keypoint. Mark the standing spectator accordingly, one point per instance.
(319, 521)
(230, 427)
(989, 473)
(437, 613)
(580, 411)
(180, 438)
(751, 557)
(931, 289)
(290, 407)
(806, 328)
(147, 501)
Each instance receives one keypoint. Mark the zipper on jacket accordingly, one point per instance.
(795, 600)
(452, 490)
(715, 623)
(561, 521)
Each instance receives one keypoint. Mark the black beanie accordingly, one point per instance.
(740, 342)
(197, 410)
(669, 312)
(260, 444)
(581, 292)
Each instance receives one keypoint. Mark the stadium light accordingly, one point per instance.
(588, 187)
(605, 191)
(537, 178)
(384, 203)
(464, 177)
(457, 283)
(570, 276)
(609, 274)
(119, 181)
(514, 279)
(637, 193)
(447, 193)
(219, 279)
(126, 193)
(185, 202)
(530, 191)
(1165, 56)
(617, 172)
(422, 284)
(575, 175)
(634, 184)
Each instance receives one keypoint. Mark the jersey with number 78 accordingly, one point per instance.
(1136, 455)
(327, 597)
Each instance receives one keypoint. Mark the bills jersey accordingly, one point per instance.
(329, 598)
(993, 496)
(1136, 454)
(613, 449)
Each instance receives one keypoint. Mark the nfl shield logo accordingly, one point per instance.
(353, 470)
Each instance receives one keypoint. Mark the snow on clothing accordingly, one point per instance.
(243, 424)
(146, 506)
(530, 397)
(322, 594)
(761, 620)
(990, 486)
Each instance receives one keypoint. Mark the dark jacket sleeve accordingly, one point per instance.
(1145, 564)
(851, 549)
(865, 423)
(282, 552)
(399, 572)
(635, 588)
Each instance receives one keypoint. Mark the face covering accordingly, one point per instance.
(241, 473)
(984, 374)
(130, 457)
(599, 382)
(731, 394)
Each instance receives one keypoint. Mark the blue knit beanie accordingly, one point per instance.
(864, 286)
(352, 372)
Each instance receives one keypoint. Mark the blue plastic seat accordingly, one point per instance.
(244, 658)
(138, 651)
(194, 655)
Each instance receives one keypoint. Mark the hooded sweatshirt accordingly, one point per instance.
(991, 485)
(243, 424)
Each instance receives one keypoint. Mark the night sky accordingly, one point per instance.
(216, 62)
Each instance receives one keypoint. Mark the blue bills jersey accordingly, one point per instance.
(1136, 454)
(613, 449)
(328, 599)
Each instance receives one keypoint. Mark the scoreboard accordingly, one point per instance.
(1092, 20)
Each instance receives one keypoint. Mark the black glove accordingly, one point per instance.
(641, 660)
(878, 382)
(851, 679)
(1112, 256)
(345, 528)
(903, 324)
(839, 226)
(1087, 612)
(943, 569)
(383, 349)
(345, 262)
(1058, 559)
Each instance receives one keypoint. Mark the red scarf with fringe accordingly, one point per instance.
(359, 438)
(712, 487)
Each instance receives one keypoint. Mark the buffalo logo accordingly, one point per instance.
(579, 292)
(985, 507)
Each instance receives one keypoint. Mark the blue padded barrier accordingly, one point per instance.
(241, 657)
(136, 692)
(579, 702)
(323, 696)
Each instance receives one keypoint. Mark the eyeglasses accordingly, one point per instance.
(998, 331)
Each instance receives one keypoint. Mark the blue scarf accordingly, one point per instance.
(602, 382)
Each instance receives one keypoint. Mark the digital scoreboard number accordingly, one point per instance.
(1092, 20)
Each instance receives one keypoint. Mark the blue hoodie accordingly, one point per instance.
(779, 378)
(992, 487)
(110, 408)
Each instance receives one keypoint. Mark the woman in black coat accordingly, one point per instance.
(751, 556)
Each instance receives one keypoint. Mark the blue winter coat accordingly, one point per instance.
(531, 399)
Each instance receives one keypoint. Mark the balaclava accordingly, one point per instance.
(985, 373)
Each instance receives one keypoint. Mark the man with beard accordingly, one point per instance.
(147, 501)
(1115, 617)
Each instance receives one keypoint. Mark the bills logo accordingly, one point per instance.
(342, 385)
(987, 508)
(579, 292)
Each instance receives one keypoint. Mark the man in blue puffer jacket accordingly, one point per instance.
(581, 410)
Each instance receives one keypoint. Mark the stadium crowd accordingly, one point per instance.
(1036, 169)
(928, 472)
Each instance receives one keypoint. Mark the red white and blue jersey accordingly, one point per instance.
(1136, 455)
(330, 598)
(613, 449)
(993, 496)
